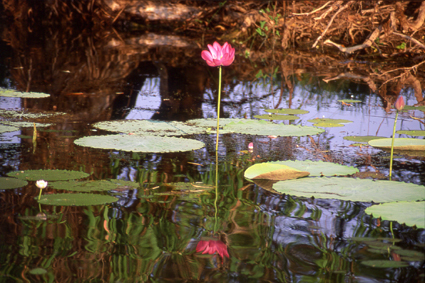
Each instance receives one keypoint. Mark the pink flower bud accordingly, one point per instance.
(399, 104)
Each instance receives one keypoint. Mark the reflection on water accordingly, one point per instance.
(152, 232)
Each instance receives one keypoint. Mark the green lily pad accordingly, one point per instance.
(140, 143)
(273, 171)
(21, 124)
(418, 256)
(412, 133)
(350, 189)
(287, 111)
(328, 125)
(90, 186)
(318, 168)
(11, 183)
(211, 123)
(38, 271)
(81, 199)
(149, 127)
(399, 143)
(349, 100)
(277, 117)
(408, 107)
(23, 115)
(48, 175)
(5, 129)
(266, 128)
(361, 138)
(385, 263)
(408, 212)
(329, 120)
(13, 93)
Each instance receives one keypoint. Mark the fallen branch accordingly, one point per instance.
(367, 43)
(330, 22)
(410, 68)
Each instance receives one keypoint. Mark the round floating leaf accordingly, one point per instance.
(418, 256)
(361, 138)
(21, 124)
(76, 199)
(48, 175)
(408, 212)
(140, 143)
(22, 115)
(277, 117)
(211, 123)
(399, 143)
(328, 120)
(149, 127)
(287, 111)
(363, 190)
(408, 107)
(385, 263)
(11, 183)
(4, 129)
(38, 271)
(273, 171)
(412, 133)
(319, 168)
(14, 93)
(349, 101)
(90, 186)
(328, 125)
(265, 128)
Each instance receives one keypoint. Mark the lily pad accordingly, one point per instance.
(408, 212)
(277, 117)
(273, 171)
(328, 125)
(21, 124)
(11, 183)
(81, 199)
(38, 271)
(412, 133)
(411, 254)
(24, 115)
(90, 186)
(350, 189)
(13, 93)
(48, 175)
(329, 120)
(266, 128)
(361, 138)
(349, 101)
(318, 168)
(408, 107)
(149, 127)
(385, 263)
(212, 123)
(5, 129)
(399, 143)
(140, 143)
(287, 111)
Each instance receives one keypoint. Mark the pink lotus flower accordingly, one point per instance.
(219, 56)
(399, 104)
(211, 247)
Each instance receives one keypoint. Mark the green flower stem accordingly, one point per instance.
(216, 192)
(218, 107)
(392, 145)
(39, 196)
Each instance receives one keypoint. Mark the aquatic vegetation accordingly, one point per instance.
(409, 212)
(41, 184)
(13, 93)
(48, 175)
(398, 105)
(399, 144)
(136, 143)
(90, 186)
(211, 247)
(289, 111)
(22, 124)
(5, 129)
(7, 183)
(273, 171)
(415, 133)
(276, 117)
(364, 139)
(81, 199)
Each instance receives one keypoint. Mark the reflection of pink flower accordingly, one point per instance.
(399, 104)
(211, 247)
(219, 56)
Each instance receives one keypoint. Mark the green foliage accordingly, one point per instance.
(76, 199)
(11, 183)
(48, 175)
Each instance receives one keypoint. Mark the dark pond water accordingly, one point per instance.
(151, 233)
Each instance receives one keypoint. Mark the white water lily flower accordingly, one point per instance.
(41, 184)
